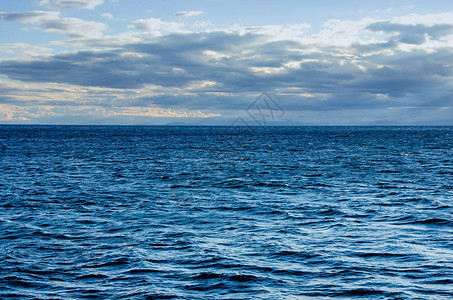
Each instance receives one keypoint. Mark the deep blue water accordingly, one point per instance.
(210, 213)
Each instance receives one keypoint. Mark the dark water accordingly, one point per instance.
(207, 213)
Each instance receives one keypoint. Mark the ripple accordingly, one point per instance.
(178, 213)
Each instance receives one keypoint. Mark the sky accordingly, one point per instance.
(208, 62)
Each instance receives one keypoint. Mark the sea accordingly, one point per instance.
(200, 212)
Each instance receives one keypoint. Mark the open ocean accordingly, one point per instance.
(162, 212)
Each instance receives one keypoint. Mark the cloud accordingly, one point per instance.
(426, 19)
(30, 17)
(365, 68)
(412, 34)
(71, 4)
(191, 13)
(51, 103)
(373, 48)
(237, 64)
(341, 33)
(107, 16)
(74, 28)
(50, 21)
(6, 114)
(156, 26)
(160, 112)
(23, 49)
(273, 32)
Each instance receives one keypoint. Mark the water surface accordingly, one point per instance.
(155, 212)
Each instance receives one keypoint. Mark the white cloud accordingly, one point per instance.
(23, 50)
(48, 101)
(160, 112)
(428, 19)
(51, 21)
(157, 26)
(191, 13)
(343, 33)
(7, 114)
(279, 32)
(107, 16)
(71, 4)
(202, 24)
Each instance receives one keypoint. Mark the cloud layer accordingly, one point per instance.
(369, 65)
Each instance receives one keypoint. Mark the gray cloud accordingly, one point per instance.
(413, 34)
(191, 13)
(71, 4)
(157, 26)
(30, 17)
(52, 22)
(243, 65)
